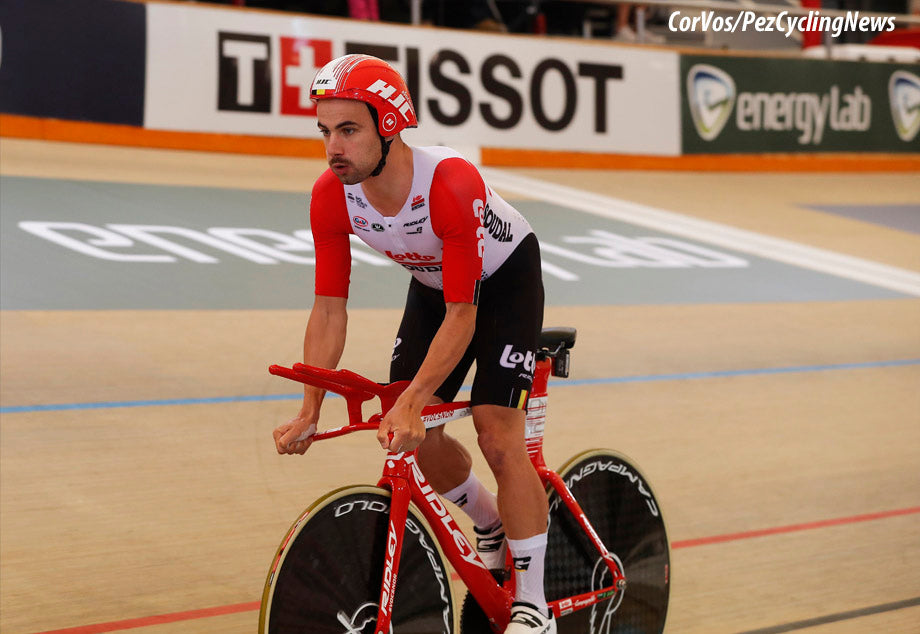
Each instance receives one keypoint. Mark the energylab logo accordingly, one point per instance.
(904, 97)
(711, 95)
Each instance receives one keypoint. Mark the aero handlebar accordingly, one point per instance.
(356, 389)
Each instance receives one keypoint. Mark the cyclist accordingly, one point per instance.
(476, 294)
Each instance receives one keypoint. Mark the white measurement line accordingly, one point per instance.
(858, 269)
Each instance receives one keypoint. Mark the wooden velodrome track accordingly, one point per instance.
(792, 498)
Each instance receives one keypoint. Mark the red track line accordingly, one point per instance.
(792, 528)
(159, 619)
(147, 621)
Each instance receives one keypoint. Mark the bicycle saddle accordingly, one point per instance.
(552, 338)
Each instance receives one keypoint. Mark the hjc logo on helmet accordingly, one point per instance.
(400, 102)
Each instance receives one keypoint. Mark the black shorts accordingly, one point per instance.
(504, 345)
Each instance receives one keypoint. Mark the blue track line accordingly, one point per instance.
(688, 376)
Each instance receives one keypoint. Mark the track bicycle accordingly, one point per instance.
(371, 559)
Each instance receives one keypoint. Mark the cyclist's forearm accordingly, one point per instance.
(447, 348)
(323, 343)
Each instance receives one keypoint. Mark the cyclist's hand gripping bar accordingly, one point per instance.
(357, 389)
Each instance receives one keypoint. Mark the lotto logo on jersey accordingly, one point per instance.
(410, 257)
(418, 202)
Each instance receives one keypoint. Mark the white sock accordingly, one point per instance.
(476, 501)
(528, 555)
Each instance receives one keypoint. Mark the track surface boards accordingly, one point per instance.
(775, 407)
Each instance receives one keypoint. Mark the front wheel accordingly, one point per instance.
(620, 504)
(327, 573)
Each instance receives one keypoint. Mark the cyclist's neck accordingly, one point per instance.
(388, 191)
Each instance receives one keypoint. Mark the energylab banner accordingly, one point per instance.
(736, 104)
(243, 72)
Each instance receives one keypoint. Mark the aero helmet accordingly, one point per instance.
(372, 81)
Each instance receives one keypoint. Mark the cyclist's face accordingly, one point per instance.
(350, 136)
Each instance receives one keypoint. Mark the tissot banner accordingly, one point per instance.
(732, 104)
(220, 70)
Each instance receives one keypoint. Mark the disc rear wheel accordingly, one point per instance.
(624, 512)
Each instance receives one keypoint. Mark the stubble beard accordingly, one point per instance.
(357, 173)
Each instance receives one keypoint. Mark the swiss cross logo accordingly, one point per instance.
(300, 59)
(244, 72)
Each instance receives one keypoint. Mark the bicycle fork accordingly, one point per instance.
(406, 483)
(399, 511)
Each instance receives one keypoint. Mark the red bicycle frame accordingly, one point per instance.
(406, 482)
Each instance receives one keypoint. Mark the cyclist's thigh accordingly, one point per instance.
(508, 325)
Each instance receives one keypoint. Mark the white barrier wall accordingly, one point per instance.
(246, 72)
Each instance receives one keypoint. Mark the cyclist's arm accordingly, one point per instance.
(324, 339)
(403, 420)
(447, 348)
(323, 343)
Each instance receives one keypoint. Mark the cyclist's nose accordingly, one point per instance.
(334, 146)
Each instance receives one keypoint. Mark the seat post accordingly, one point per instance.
(536, 412)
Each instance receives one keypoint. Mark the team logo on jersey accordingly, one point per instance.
(418, 224)
(418, 202)
(360, 221)
(415, 261)
(495, 226)
(356, 200)
(414, 256)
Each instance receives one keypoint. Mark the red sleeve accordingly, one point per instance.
(457, 201)
(330, 226)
